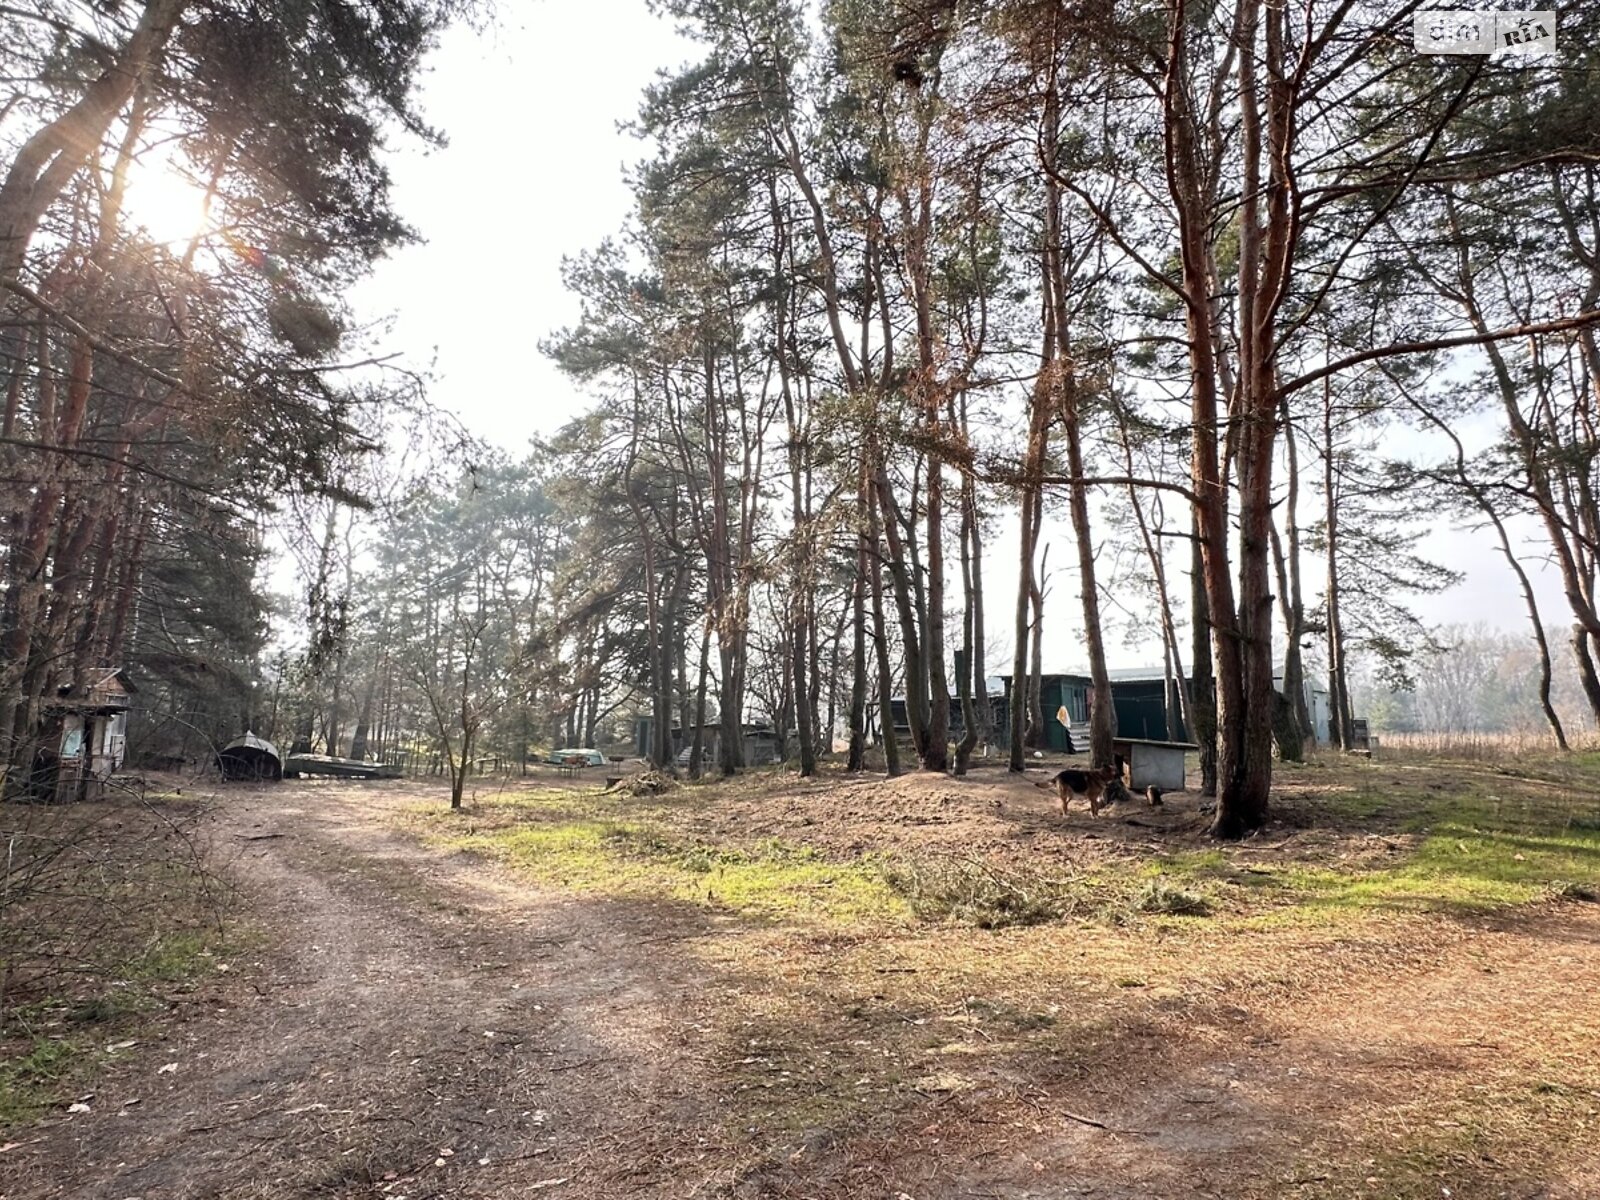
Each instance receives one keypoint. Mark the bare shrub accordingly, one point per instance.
(102, 894)
(647, 783)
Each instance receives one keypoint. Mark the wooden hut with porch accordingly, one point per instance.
(84, 738)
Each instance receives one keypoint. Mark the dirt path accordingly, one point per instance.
(417, 1026)
(417, 1030)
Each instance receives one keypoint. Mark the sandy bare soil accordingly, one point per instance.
(417, 1023)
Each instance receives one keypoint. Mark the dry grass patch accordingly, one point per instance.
(106, 909)
(1481, 1071)
(1389, 1054)
(967, 955)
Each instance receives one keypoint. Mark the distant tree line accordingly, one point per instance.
(1475, 680)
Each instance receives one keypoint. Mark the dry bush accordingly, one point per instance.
(972, 892)
(1584, 892)
(647, 783)
(1166, 898)
(99, 896)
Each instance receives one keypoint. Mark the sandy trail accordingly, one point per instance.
(413, 1011)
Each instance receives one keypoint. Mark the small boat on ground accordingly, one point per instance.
(250, 759)
(338, 768)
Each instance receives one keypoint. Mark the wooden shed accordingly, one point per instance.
(85, 736)
(760, 742)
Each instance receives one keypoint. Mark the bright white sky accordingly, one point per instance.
(534, 171)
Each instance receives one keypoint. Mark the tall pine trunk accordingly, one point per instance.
(858, 614)
(1038, 733)
(1027, 542)
(1338, 676)
(1063, 373)
(880, 632)
(971, 614)
(902, 586)
(697, 743)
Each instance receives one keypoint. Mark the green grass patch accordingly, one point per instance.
(1191, 865)
(1461, 837)
(1356, 806)
(770, 880)
(174, 956)
(29, 1073)
(1455, 868)
(1454, 838)
(1586, 760)
(1484, 841)
(53, 1043)
(56, 1041)
(1415, 887)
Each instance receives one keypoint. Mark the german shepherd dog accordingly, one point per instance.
(1088, 784)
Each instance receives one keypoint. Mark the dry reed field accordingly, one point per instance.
(1483, 746)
